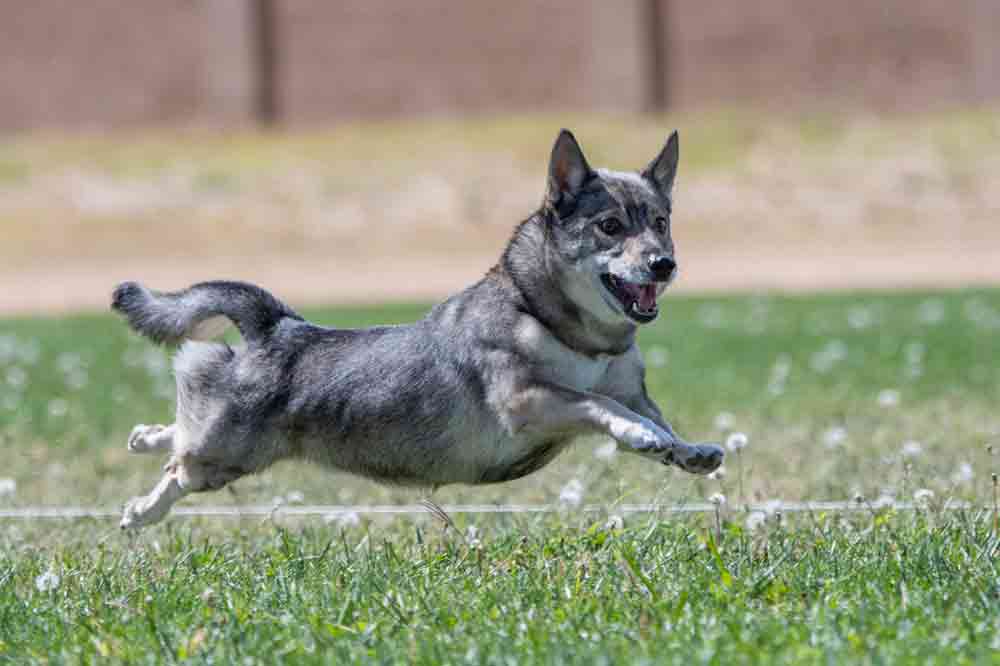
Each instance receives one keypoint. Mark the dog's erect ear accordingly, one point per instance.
(662, 170)
(568, 169)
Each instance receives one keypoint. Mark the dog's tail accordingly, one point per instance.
(197, 312)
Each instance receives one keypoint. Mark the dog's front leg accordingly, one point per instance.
(558, 410)
(695, 458)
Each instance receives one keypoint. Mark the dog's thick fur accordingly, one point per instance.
(490, 386)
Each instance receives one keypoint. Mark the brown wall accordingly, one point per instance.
(106, 63)
(890, 53)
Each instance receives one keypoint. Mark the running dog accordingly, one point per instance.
(490, 386)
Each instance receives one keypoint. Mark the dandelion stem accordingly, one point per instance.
(996, 520)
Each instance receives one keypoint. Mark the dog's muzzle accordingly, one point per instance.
(638, 300)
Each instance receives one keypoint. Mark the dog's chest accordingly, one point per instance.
(558, 363)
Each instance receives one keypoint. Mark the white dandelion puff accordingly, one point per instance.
(571, 493)
(931, 311)
(911, 449)
(718, 499)
(614, 522)
(772, 507)
(57, 408)
(724, 421)
(835, 437)
(923, 496)
(711, 316)
(606, 451)
(830, 355)
(914, 352)
(860, 317)
(755, 520)
(963, 473)
(736, 441)
(888, 398)
(16, 377)
(7, 487)
(656, 357)
(344, 519)
(884, 501)
(48, 581)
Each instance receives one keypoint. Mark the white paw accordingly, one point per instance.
(137, 513)
(138, 441)
(132, 513)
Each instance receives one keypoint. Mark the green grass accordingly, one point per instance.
(828, 388)
(889, 589)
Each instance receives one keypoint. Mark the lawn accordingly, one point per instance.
(883, 396)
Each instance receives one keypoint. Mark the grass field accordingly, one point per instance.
(886, 396)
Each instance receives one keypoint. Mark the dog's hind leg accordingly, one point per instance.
(150, 438)
(183, 475)
(153, 507)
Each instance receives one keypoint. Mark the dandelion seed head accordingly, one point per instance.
(711, 316)
(344, 519)
(755, 520)
(16, 377)
(736, 441)
(614, 522)
(772, 507)
(571, 493)
(48, 581)
(963, 473)
(834, 437)
(888, 398)
(884, 501)
(923, 496)
(606, 451)
(860, 317)
(7, 487)
(724, 421)
(656, 357)
(718, 499)
(911, 449)
(57, 408)
(931, 311)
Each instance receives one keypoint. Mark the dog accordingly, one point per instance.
(491, 385)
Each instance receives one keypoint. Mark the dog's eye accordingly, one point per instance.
(611, 226)
(660, 225)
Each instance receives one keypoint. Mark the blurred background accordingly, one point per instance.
(377, 150)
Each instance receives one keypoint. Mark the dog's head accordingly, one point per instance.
(611, 231)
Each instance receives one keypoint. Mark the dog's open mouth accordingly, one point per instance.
(638, 300)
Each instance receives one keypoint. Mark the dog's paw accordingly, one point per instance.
(138, 513)
(132, 514)
(696, 458)
(139, 439)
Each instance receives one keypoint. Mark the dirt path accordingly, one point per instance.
(308, 279)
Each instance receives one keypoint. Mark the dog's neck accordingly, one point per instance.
(525, 265)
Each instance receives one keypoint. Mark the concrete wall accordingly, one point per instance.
(107, 63)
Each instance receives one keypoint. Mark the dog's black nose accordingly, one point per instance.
(662, 266)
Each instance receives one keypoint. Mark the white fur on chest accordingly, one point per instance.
(557, 362)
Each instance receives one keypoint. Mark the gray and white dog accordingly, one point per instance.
(490, 386)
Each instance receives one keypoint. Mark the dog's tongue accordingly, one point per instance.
(643, 294)
(647, 297)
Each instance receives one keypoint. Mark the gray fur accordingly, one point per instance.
(490, 386)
